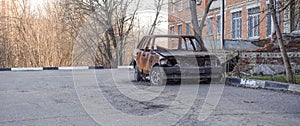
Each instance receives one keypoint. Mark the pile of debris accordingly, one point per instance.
(291, 41)
(261, 69)
(267, 60)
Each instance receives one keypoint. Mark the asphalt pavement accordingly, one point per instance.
(110, 97)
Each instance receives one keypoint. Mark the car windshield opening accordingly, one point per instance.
(176, 44)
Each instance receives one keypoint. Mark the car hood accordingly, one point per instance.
(186, 54)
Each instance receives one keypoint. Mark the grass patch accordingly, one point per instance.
(278, 78)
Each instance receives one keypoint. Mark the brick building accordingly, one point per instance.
(247, 20)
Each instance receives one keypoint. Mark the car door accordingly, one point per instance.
(145, 56)
(143, 53)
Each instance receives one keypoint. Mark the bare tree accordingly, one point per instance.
(37, 36)
(158, 7)
(106, 30)
(198, 28)
(290, 76)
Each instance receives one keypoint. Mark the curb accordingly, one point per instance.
(74, 68)
(125, 67)
(52, 68)
(250, 83)
(27, 69)
(60, 68)
(5, 69)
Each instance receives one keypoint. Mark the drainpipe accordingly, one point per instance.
(222, 13)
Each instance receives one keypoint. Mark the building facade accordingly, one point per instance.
(247, 20)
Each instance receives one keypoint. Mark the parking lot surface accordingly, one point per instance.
(110, 97)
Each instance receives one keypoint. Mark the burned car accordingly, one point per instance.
(171, 58)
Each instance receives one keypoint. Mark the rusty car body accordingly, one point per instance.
(166, 58)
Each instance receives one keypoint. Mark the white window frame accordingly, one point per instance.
(179, 5)
(199, 22)
(209, 26)
(269, 17)
(272, 21)
(236, 10)
(218, 28)
(198, 2)
(295, 29)
(251, 6)
(186, 28)
(178, 29)
(253, 25)
(235, 28)
(172, 32)
(188, 3)
(172, 7)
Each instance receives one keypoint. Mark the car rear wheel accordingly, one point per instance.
(137, 74)
(157, 76)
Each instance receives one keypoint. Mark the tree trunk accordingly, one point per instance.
(198, 28)
(290, 78)
(158, 7)
(195, 24)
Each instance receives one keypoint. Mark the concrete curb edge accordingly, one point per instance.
(51, 68)
(251, 83)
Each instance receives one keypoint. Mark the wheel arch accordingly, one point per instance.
(155, 65)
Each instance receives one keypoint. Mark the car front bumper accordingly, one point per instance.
(177, 72)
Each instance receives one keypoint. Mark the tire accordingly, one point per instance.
(208, 81)
(137, 74)
(157, 76)
(178, 81)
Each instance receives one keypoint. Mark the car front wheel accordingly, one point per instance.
(157, 76)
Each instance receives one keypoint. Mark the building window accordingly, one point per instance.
(179, 5)
(270, 28)
(172, 30)
(188, 3)
(209, 26)
(198, 2)
(270, 23)
(188, 29)
(199, 22)
(172, 6)
(236, 25)
(253, 22)
(296, 15)
(218, 24)
(278, 11)
(180, 29)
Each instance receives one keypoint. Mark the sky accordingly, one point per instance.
(36, 3)
(146, 11)
(146, 15)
